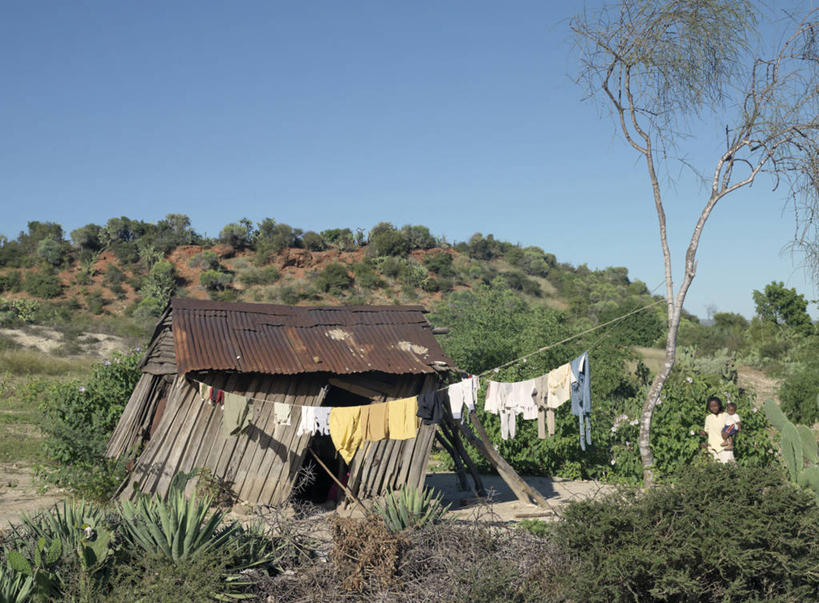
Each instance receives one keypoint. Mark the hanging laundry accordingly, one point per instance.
(541, 400)
(463, 394)
(314, 419)
(236, 417)
(402, 419)
(547, 403)
(560, 385)
(376, 426)
(346, 430)
(204, 392)
(281, 413)
(581, 396)
(509, 400)
(217, 396)
(431, 407)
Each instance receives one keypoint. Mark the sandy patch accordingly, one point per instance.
(19, 494)
(48, 341)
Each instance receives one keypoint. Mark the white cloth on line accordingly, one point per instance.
(463, 394)
(314, 419)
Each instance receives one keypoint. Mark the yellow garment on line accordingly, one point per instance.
(403, 419)
(376, 427)
(346, 430)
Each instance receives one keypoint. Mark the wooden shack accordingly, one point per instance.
(318, 355)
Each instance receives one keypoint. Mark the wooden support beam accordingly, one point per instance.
(459, 466)
(523, 491)
(450, 428)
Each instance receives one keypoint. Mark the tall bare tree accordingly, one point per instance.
(660, 65)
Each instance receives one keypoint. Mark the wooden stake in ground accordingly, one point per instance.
(336, 480)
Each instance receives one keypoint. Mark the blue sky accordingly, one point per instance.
(461, 116)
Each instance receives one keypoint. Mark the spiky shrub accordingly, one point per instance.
(176, 528)
(14, 586)
(72, 523)
(682, 542)
(411, 508)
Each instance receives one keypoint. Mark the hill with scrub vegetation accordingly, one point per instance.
(123, 273)
(500, 301)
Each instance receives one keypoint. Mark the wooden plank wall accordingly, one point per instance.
(262, 464)
(160, 357)
(381, 467)
(136, 417)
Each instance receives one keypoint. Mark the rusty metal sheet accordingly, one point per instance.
(288, 340)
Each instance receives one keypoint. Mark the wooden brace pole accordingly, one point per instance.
(521, 489)
(336, 480)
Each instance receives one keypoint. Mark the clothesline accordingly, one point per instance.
(552, 345)
(506, 364)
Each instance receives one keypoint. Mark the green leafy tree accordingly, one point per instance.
(782, 306)
(238, 235)
(87, 237)
(385, 240)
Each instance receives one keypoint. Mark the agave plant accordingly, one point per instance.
(412, 508)
(73, 524)
(15, 587)
(175, 528)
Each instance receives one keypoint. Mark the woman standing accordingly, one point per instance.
(714, 423)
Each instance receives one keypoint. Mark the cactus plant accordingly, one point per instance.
(799, 446)
(775, 414)
(792, 450)
(412, 508)
(38, 577)
(809, 445)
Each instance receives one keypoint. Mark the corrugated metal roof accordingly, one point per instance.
(287, 340)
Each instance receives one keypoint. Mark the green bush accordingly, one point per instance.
(412, 274)
(385, 240)
(213, 280)
(440, 264)
(51, 251)
(389, 266)
(313, 241)
(11, 281)
(799, 394)
(206, 260)
(238, 235)
(340, 238)
(157, 288)
(259, 276)
(720, 533)
(78, 420)
(678, 419)
(290, 295)
(43, 284)
(95, 302)
(366, 276)
(333, 279)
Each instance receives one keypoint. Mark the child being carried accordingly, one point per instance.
(732, 425)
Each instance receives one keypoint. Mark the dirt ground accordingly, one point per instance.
(48, 340)
(20, 494)
(765, 387)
